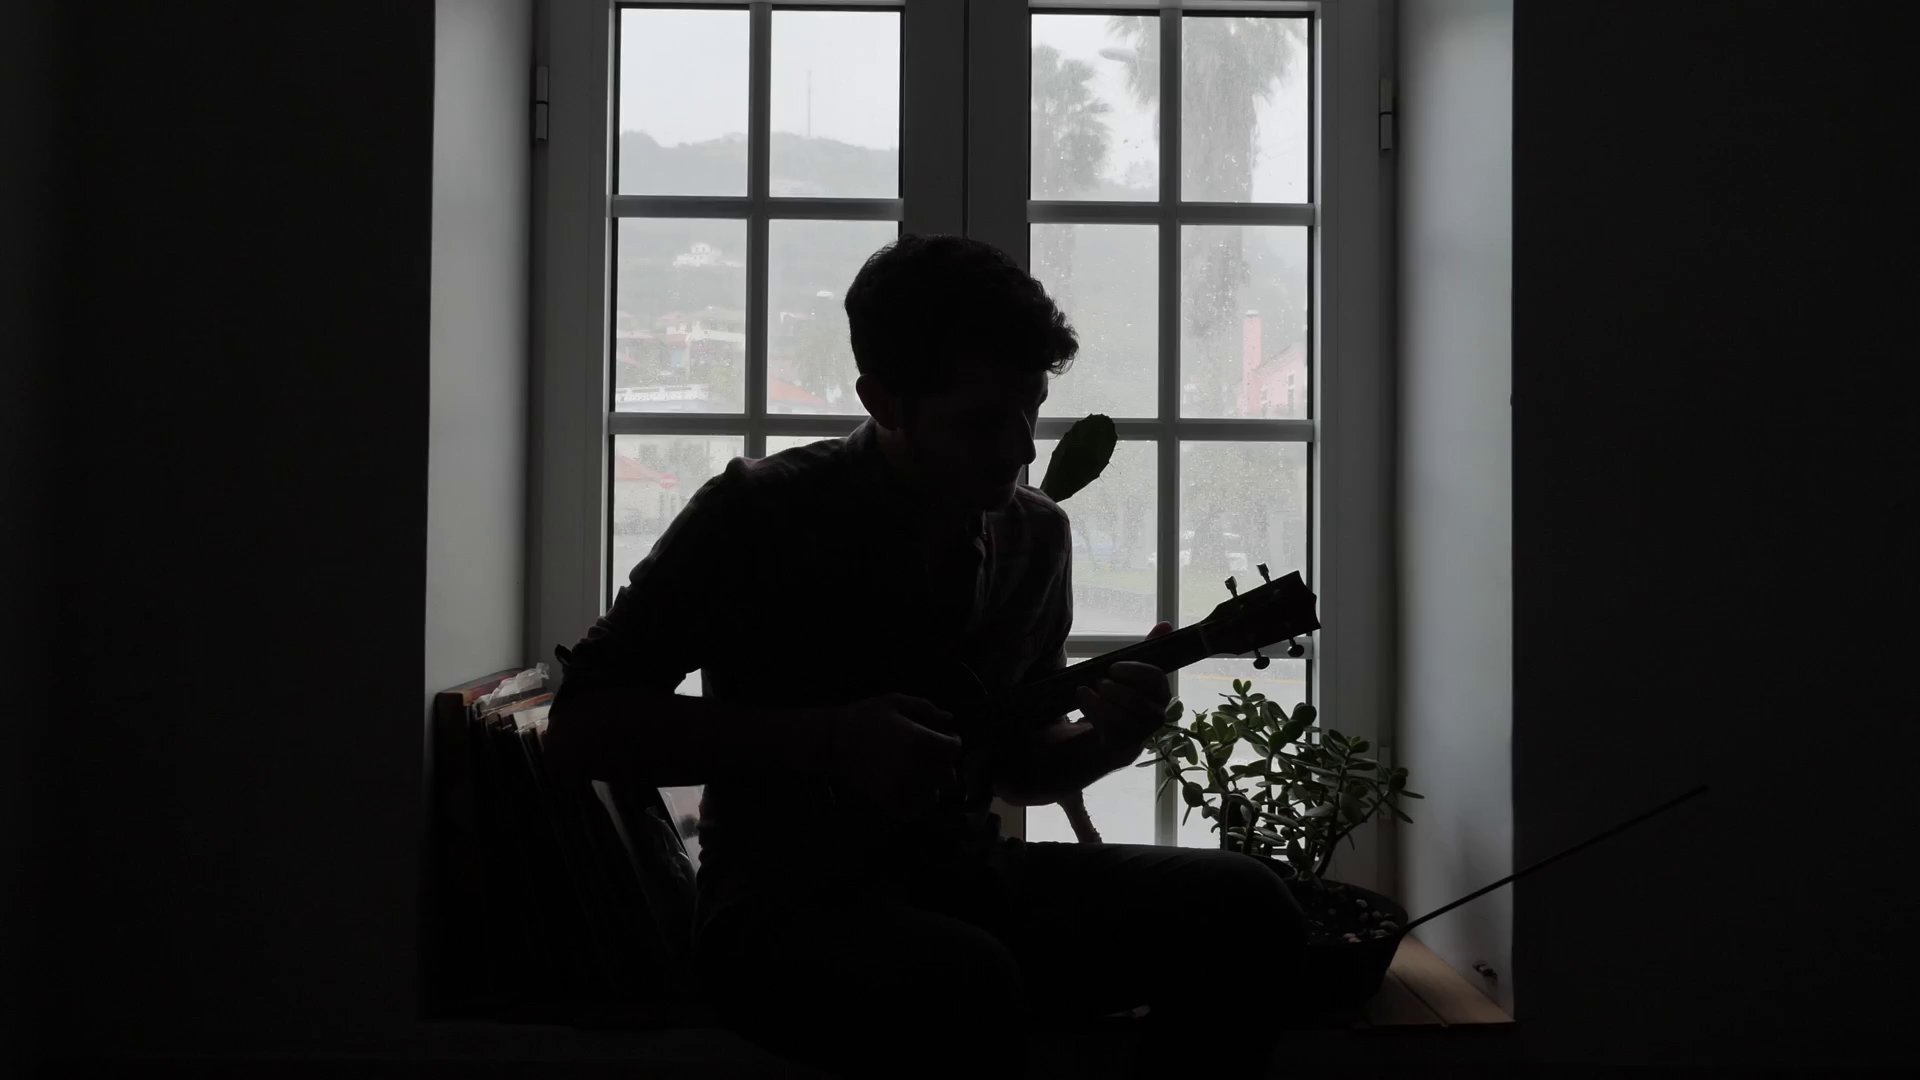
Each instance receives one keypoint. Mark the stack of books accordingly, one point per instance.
(547, 898)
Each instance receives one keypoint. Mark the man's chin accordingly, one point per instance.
(994, 497)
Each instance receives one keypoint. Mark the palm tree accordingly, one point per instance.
(1069, 138)
(1068, 143)
(1230, 66)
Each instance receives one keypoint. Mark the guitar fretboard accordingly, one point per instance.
(1053, 695)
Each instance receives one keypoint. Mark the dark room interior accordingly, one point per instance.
(357, 352)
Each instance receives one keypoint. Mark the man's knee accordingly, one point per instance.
(870, 999)
(962, 971)
(1251, 886)
(907, 965)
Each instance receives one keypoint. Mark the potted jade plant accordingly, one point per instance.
(1301, 791)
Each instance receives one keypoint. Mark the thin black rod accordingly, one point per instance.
(1582, 845)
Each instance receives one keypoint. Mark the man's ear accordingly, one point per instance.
(883, 405)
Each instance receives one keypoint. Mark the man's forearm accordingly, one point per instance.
(676, 740)
(1059, 760)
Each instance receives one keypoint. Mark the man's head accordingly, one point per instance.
(955, 345)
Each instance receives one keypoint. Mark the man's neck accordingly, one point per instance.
(934, 514)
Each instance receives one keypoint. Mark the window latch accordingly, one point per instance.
(540, 103)
(1386, 113)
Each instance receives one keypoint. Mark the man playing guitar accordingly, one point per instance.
(858, 908)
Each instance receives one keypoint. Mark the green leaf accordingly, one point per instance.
(1412, 794)
(1360, 746)
(1192, 793)
(1304, 710)
(1080, 457)
(1174, 709)
(1397, 812)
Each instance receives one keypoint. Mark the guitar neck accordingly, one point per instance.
(1053, 695)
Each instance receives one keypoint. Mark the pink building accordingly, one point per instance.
(1270, 386)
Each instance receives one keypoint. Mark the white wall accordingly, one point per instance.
(476, 460)
(1455, 478)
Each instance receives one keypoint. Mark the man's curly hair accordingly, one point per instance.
(923, 305)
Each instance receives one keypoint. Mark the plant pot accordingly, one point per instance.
(1346, 974)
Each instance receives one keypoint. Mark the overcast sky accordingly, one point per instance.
(684, 79)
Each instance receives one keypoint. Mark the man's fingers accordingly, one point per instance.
(1095, 708)
(915, 708)
(922, 712)
(1123, 698)
(1143, 677)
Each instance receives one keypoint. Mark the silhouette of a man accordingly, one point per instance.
(849, 915)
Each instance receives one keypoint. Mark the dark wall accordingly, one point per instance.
(1709, 262)
(233, 783)
(27, 271)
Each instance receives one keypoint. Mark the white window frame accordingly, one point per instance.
(963, 171)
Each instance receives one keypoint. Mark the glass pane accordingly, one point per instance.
(1243, 321)
(1201, 686)
(683, 806)
(682, 102)
(1104, 278)
(1120, 804)
(679, 334)
(653, 476)
(1241, 504)
(1095, 100)
(777, 443)
(1244, 122)
(683, 803)
(1114, 540)
(809, 266)
(836, 105)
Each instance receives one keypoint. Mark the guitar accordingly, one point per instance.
(1282, 609)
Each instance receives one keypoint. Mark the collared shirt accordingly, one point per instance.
(809, 578)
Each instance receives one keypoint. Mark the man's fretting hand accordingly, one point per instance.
(1129, 704)
(889, 750)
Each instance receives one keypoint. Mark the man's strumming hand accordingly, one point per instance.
(890, 749)
(1129, 704)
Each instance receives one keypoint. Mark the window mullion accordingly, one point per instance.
(1167, 587)
(759, 122)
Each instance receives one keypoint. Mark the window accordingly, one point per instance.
(1168, 172)
(1170, 187)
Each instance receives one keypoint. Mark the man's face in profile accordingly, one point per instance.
(970, 441)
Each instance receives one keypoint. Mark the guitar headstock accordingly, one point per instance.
(1280, 610)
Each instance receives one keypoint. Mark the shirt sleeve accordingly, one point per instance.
(667, 620)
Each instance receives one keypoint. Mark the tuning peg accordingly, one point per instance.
(1260, 662)
(1232, 588)
(1263, 572)
(1295, 649)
